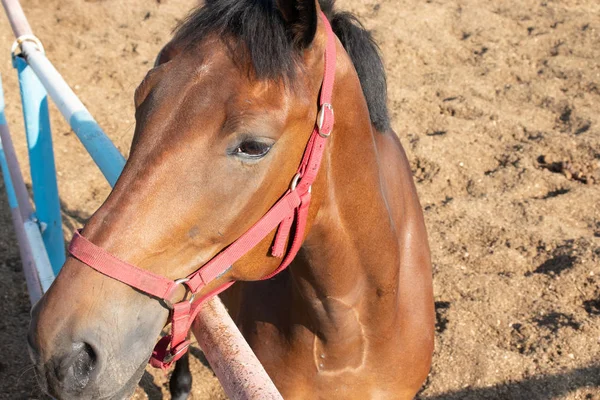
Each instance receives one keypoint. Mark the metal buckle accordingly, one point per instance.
(169, 357)
(321, 119)
(295, 181)
(180, 282)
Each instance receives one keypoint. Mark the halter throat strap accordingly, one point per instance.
(292, 207)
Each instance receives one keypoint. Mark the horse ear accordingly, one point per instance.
(166, 53)
(301, 17)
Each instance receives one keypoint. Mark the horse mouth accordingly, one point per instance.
(129, 387)
(123, 393)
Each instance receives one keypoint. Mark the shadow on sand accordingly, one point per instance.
(152, 390)
(545, 387)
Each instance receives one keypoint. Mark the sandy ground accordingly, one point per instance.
(497, 105)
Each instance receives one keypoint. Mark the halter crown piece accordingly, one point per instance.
(293, 206)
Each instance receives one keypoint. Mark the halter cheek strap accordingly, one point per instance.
(292, 207)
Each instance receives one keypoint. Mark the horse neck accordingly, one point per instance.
(348, 265)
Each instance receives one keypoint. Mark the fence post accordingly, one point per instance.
(243, 377)
(41, 162)
(36, 265)
(104, 153)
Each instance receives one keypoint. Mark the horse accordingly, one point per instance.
(222, 122)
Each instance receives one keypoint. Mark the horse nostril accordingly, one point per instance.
(75, 371)
(85, 361)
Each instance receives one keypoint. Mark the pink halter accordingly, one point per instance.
(293, 206)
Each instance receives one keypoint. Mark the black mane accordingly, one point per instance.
(264, 40)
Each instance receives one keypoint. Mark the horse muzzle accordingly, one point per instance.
(70, 372)
(77, 371)
(86, 349)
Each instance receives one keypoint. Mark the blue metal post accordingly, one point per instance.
(41, 159)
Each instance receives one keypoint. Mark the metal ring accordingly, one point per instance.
(295, 181)
(27, 38)
(180, 282)
(321, 119)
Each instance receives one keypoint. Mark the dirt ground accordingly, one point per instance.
(497, 104)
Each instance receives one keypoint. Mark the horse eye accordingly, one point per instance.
(252, 149)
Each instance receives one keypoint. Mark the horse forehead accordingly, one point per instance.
(207, 74)
(217, 77)
(183, 88)
(208, 83)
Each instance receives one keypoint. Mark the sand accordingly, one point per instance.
(497, 106)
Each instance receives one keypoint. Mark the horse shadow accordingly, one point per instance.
(540, 387)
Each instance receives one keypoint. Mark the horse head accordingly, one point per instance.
(220, 132)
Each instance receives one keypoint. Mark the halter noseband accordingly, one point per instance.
(293, 206)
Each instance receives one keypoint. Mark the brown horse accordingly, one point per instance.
(222, 123)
